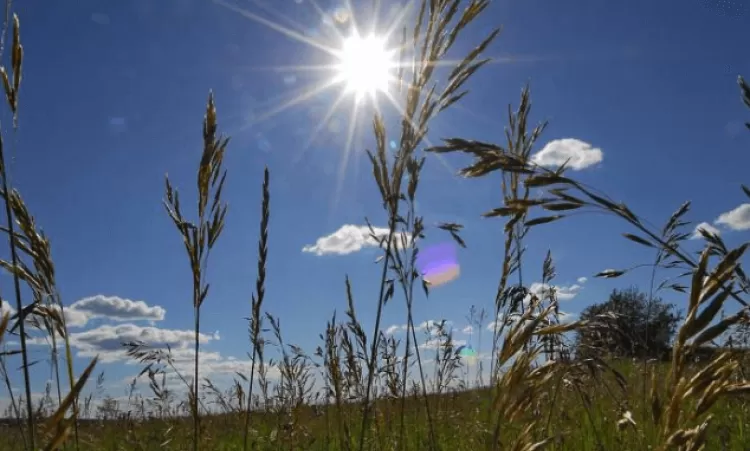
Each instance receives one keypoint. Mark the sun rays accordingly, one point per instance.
(358, 71)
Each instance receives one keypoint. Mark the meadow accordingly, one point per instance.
(363, 389)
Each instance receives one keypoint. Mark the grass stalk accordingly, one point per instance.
(257, 300)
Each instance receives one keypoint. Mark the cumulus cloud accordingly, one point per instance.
(704, 226)
(73, 317)
(468, 330)
(350, 238)
(110, 308)
(563, 293)
(737, 219)
(582, 280)
(577, 153)
(107, 340)
(117, 309)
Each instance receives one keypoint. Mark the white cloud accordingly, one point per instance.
(111, 308)
(431, 326)
(348, 239)
(704, 226)
(566, 317)
(106, 340)
(582, 280)
(737, 219)
(6, 307)
(395, 329)
(563, 293)
(117, 309)
(73, 317)
(497, 325)
(214, 364)
(580, 154)
(468, 330)
(435, 343)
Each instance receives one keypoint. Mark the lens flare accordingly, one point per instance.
(439, 264)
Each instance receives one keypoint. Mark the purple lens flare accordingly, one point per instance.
(438, 264)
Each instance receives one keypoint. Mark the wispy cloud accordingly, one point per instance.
(577, 153)
(348, 239)
(396, 328)
(435, 343)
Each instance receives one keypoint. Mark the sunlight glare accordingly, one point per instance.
(365, 65)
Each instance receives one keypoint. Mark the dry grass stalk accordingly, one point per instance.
(11, 92)
(357, 368)
(433, 34)
(256, 318)
(200, 238)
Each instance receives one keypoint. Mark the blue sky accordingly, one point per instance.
(113, 95)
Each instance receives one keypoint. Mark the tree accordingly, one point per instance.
(629, 324)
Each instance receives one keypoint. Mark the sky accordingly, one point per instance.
(641, 95)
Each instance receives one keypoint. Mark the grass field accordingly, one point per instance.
(460, 421)
(361, 389)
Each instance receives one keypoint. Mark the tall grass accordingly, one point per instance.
(373, 391)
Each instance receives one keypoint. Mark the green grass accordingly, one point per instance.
(460, 419)
(373, 392)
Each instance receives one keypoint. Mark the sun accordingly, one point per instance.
(365, 65)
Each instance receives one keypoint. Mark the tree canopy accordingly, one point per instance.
(628, 324)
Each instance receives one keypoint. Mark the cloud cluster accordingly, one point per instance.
(119, 316)
(349, 239)
(109, 308)
(106, 340)
(578, 154)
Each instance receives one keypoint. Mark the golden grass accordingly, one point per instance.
(376, 394)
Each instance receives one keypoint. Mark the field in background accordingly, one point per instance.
(460, 418)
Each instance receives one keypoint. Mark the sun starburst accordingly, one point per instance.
(365, 65)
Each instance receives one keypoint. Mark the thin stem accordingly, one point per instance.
(249, 397)
(17, 290)
(373, 350)
(13, 404)
(422, 380)
(196, 419)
